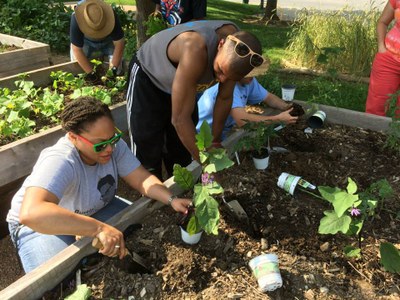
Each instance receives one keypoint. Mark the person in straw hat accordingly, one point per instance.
(95, 28)
(247, 91)
(165, 76)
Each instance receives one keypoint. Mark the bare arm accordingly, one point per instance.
(118, 52)
(41, 212)
(190, 52)
(239, 113)
(222, 108)
(381, 29)
(81, 58)
(146, 183)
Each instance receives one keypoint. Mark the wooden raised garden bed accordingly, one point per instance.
(33, 285)
(31, 55)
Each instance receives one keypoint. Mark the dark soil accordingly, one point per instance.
(297, 111)
(6, 48)
(313, 266)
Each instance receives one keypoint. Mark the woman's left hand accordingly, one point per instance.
(181, 205)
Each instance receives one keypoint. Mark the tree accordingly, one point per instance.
(271, 11)
(143, 9)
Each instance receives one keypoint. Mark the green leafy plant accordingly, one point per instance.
(393, 111)
(256, 137)
(26, 106)
(155, 23)
(206, 207)
(350, 210)
(44, 21)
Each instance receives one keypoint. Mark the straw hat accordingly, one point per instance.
(261, 70)
(95, 18)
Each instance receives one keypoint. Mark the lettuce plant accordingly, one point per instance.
(206, 207)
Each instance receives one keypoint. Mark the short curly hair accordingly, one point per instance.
(81, 112)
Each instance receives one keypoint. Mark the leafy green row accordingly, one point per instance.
(28, 109)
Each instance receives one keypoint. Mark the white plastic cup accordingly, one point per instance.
(288, 92)
(190, 239)
(317, 119)
(265, 269)
(289, 182)
(261, 163)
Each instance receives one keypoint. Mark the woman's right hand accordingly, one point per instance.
(112, 240)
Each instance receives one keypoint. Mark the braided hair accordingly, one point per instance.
(81, 112)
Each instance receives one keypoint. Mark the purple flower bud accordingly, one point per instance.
(204, 178)
(355, 212)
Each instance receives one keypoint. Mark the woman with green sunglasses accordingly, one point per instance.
(72, 188)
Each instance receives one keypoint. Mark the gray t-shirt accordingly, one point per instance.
(153, 57)
(80, 188)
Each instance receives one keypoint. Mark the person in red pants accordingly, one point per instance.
(385, 72)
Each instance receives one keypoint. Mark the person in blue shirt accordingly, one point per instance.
(247, 91)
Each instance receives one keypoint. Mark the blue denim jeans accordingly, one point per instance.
(35, 248)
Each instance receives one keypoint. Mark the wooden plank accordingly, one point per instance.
(33, 55)
(34, 284)
(23, 60)
(352, 118)
(41, 77)
(15, 161)
(19, 42)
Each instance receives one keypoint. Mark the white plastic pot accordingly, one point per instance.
(190, 239)
(289, 183)
(261, 163)
(265, 268)
(288, 92)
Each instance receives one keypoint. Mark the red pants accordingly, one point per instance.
(384, 80)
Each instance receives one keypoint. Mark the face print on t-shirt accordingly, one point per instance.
(107, 188)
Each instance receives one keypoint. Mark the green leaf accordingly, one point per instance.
(355, 226)
(183, 177)
(204, 156)
(351, 186)
(328, 193)
(332, 224)
(207, 214)
(390, 257)
(193, 226)
(82, 292)
(204, 137)
(351, 251)
(220, 159)
(214, 188)
(343, 201)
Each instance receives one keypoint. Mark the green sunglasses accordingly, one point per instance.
(99, 147)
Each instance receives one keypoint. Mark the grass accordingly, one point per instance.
(275, 40)
(122, 2)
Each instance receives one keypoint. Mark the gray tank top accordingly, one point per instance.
(153, 53)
